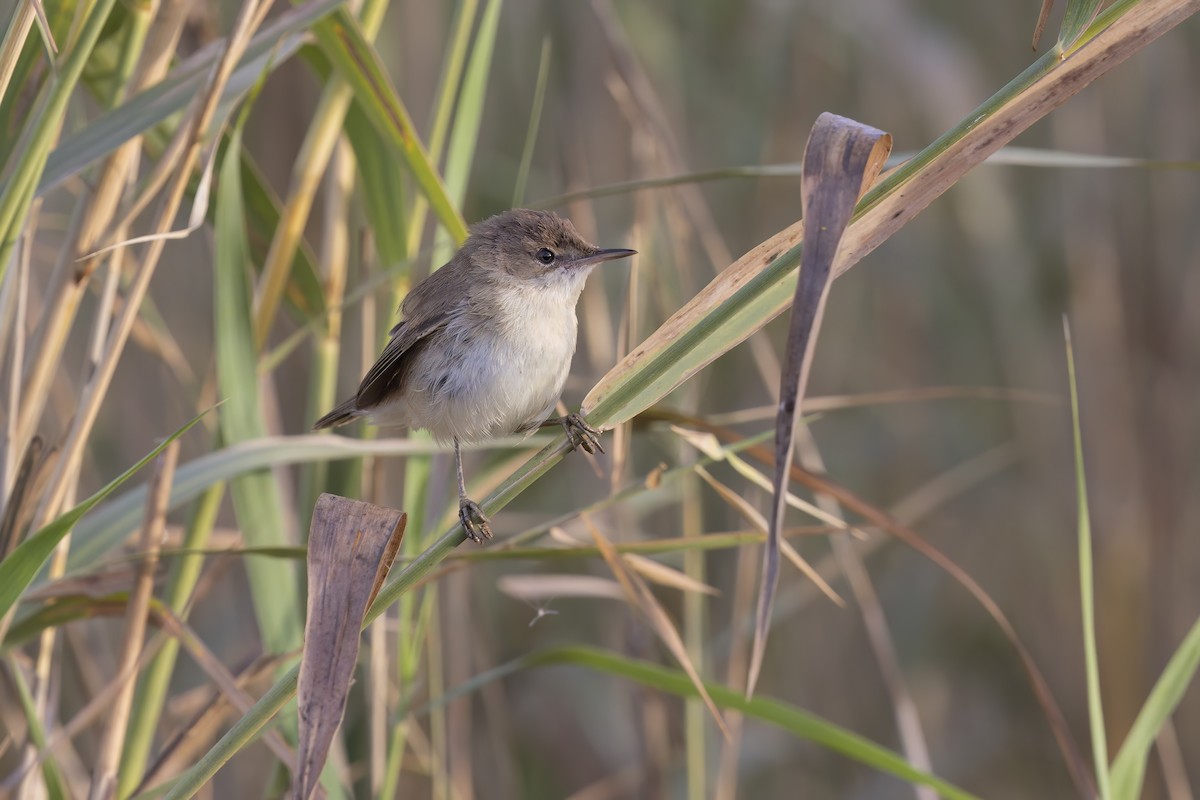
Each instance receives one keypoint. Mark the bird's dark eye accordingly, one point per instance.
(545, 255)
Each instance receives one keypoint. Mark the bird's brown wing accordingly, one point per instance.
(432, 303)
(387, 376)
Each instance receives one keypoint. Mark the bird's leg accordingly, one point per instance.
(469, 513)
(579, 433)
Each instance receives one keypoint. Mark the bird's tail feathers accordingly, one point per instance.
(344, 413)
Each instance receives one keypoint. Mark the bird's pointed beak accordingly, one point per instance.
(601, 256)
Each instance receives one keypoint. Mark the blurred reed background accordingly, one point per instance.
(940, 382)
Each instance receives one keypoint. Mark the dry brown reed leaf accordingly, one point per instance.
(351, 547)
(841, 160)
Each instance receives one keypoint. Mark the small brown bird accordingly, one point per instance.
(485, 343)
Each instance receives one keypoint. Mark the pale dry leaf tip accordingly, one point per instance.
(560, 535)
(667, 576)
(705, 442)
(542, 587)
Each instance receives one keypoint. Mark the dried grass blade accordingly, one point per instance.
(104, 780)
(756, 519)
(648, 568)
(711, 447)
(663, 575)
(842, 158)
(642, 598)
(222, 678)
(351, 547)
(44, 27)
(1043, 18)
(14, 40)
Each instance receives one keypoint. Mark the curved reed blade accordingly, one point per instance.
(842, 158)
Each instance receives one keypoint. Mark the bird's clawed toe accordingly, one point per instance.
(473, 521)
(580, 434)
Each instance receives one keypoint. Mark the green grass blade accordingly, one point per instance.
(274, 586)
(1076, 19)
(795, 721)
(450, 78)
(245, 731)
(358, 62)
(467, 118)
(18, 570)
(1087, 591)
(1036, 157)
(448, 82)
(1129, 767)
(382, 187)
(55, 788)
(535, 121)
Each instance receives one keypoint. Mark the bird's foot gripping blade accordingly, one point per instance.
(580, 434)
(473, 521)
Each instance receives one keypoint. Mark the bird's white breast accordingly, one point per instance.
(497, 374)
